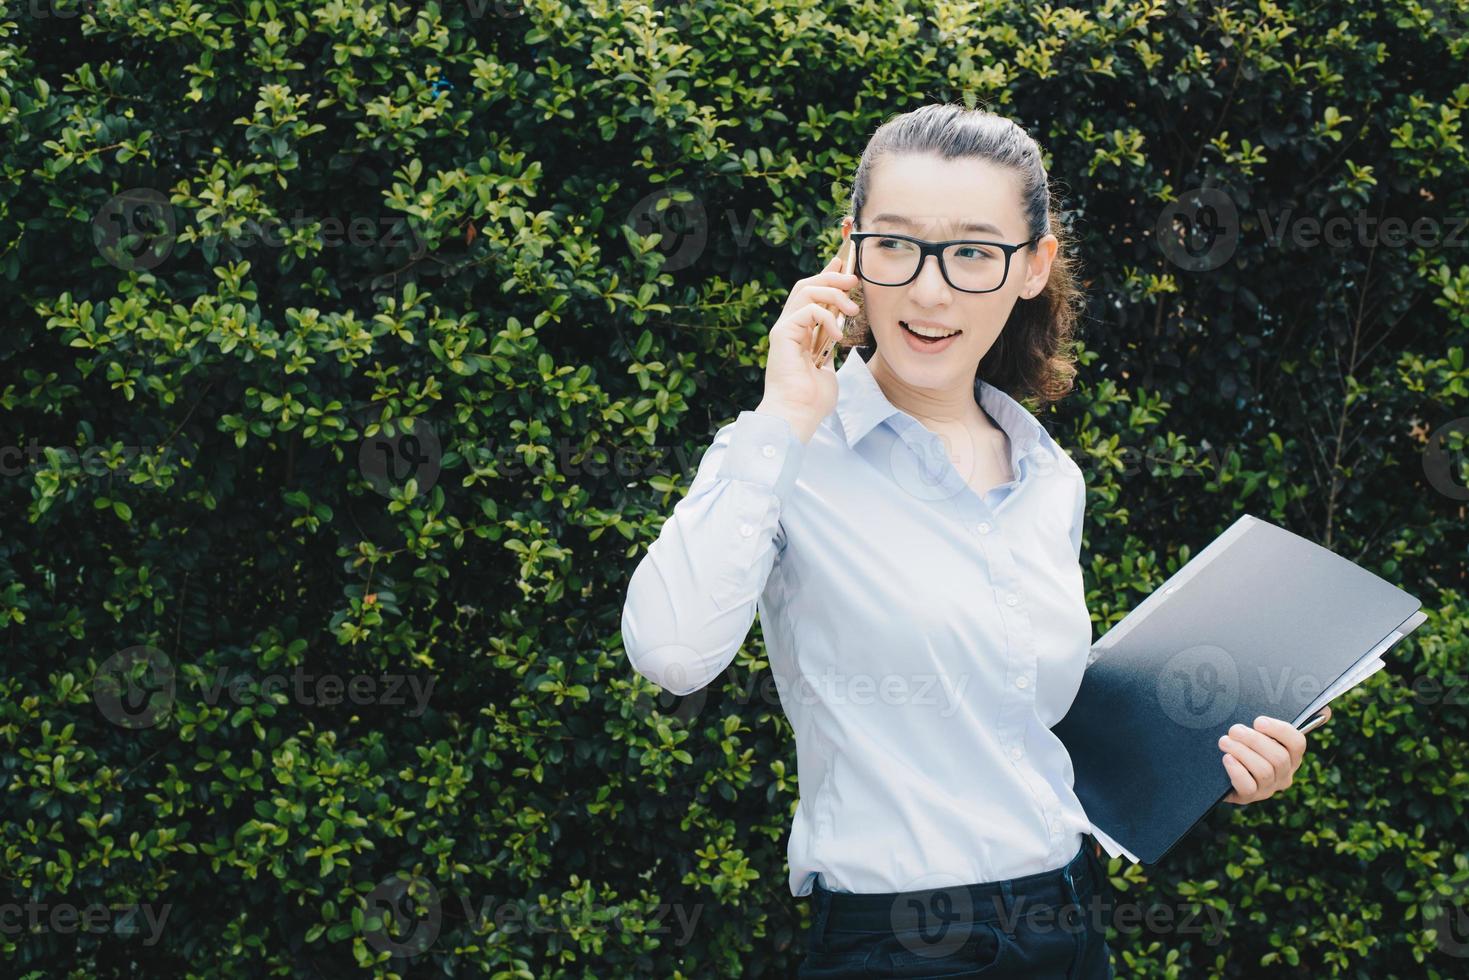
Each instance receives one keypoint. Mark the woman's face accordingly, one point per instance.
(925, 196)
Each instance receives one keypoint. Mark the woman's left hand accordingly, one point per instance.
(1262, 760)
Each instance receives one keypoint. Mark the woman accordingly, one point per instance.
(911, 536)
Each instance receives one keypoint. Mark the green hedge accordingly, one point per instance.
(355, 353)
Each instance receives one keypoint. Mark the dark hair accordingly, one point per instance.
(1033, 357)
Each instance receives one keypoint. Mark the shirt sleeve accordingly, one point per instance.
(1078, 514)
(692, 597)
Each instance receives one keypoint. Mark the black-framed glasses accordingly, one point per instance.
(968, 265)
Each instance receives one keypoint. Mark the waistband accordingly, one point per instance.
(991, 901)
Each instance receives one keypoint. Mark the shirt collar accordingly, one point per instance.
(862, 407)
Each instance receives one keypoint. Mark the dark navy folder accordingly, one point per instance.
(1261, 622)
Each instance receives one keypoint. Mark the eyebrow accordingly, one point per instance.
(898, 219)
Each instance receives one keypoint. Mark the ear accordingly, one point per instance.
(1036, 280)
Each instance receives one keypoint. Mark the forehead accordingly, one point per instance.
(941, 198)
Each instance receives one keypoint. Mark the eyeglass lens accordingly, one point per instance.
(893, 261)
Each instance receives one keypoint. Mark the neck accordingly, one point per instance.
(953, 405)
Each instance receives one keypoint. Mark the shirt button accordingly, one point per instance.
(767, 451)
(1021, 681)
(746, 530)
(984, 527)
(1011, 599)
(1015, 753)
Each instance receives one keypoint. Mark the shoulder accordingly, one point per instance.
(1061, 458)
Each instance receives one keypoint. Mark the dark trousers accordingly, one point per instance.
(1045, 926)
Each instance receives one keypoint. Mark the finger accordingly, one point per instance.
(830, 296)
(1285, 733)
(1244, 784)
(833, 269)
(807, 323)
(1259, 766)
(1272, 744)
(799, 320)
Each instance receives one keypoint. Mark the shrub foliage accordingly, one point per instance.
(356, 351)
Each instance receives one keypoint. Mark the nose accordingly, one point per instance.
(930, 289)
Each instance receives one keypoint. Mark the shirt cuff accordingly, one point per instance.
(764, 450)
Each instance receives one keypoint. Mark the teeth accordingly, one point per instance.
(928, 332)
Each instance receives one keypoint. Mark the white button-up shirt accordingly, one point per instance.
(922, 639)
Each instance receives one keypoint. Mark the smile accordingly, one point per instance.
(927, 340)
(928, 332)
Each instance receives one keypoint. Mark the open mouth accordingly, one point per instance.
(927, 335)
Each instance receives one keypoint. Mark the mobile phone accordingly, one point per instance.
(828, 344)
(1317, 720)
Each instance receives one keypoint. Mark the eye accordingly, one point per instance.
(893, 244)
(975, 253)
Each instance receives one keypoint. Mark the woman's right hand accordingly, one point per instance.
(795, 388)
